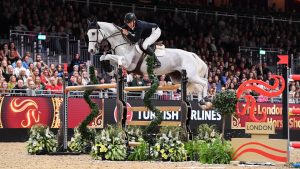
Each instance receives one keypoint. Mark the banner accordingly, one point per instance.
(23, 112)
(274, 115)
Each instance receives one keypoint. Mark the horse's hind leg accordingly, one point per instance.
(202, 91)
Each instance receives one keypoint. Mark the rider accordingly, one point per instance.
(135, 29)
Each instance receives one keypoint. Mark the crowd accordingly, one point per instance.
(214, 39)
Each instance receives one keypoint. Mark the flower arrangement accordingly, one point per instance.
(41, 140)
(169, 148)
(110, 144)
(79, 144)
(135, 134)
(207, 133)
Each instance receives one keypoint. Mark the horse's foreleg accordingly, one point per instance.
(118, 59)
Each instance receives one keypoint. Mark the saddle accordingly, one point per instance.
(158, 48)
(159, 52)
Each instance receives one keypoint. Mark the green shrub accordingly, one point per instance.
(215, 152)
(110, 144)
(193, 149)
(140, 153)
(41, 140)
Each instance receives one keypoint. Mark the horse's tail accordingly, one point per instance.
(203, 72)
(201, 62)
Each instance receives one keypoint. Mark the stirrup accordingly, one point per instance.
(157, 65)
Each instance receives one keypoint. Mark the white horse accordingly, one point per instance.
(128, 55)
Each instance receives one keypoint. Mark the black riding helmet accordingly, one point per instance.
(129, 17)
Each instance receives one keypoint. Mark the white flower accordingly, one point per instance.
(34, 143)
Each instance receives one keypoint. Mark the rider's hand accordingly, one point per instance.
(125, 31)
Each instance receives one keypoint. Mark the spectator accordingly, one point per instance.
(13, 53)
(137, 80)
(12, 82)
(28, 58)
(52, 87)
(20, 88)
(45, 77)
(77, 61)
(36, 73)
(18, 68)
(85, 78)
(23, 76)
(38, 84)
(55, 75)
(162, 81)
(60, 70)
(4, 89)
(60, 83)
(297, 97)
(72, 81)
(39, 62)
(52, 70)
(6, 50)
(31, 90)
(79, 81)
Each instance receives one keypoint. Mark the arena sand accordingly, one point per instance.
(14, 156)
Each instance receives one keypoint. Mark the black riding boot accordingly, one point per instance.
(150, 52)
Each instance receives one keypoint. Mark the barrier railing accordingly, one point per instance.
(130, 95)
(54, 47)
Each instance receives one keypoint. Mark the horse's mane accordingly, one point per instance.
(110, 27)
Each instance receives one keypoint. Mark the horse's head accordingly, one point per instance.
(95, 35)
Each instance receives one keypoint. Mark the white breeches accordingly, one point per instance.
(152, 38)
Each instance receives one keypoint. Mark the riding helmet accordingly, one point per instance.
(129, 17)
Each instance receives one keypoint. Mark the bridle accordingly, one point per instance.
(99, 30)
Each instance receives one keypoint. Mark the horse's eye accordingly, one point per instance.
(93, 33)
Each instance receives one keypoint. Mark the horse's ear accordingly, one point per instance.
(89, 23)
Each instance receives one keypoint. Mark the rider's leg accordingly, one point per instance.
(151, 52)
(149, 41)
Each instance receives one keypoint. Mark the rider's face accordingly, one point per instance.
(131, 24)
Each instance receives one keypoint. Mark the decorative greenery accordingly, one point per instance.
(135, 134)
(79, 144)
(152, 128)
(140, 153)
(176, 131)
(168, 148)
(216, 152)
(193, 149)
(41, 140)
(225, 103)
(207, 132)
(110, 144)
(94, 108)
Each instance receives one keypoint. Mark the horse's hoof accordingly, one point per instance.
(208, 105)
(201, 102)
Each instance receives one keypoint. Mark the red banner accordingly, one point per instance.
(23, 112)
(274, 115)
(78, 109)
